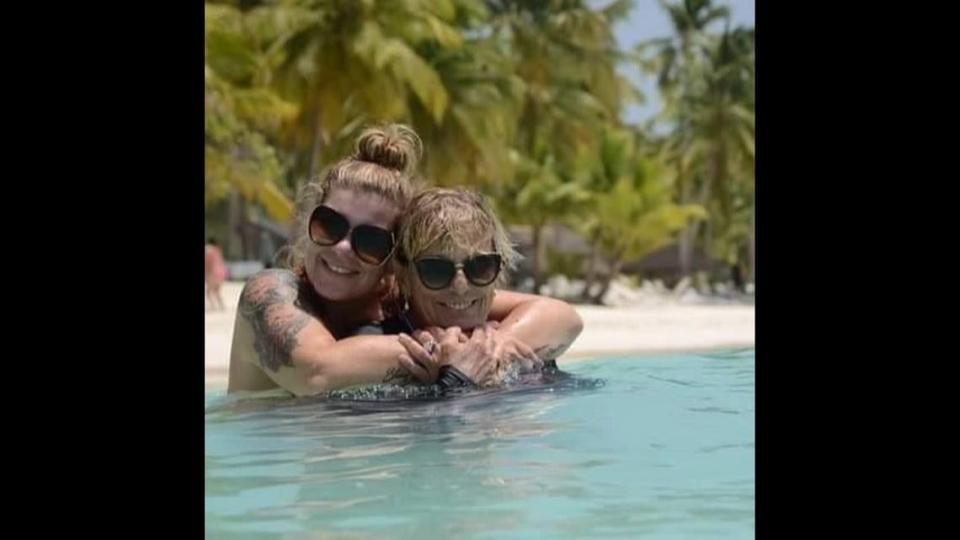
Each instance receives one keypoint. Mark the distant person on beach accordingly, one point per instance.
(296, 328)
(215, 273)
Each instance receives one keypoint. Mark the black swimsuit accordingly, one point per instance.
(387, 327)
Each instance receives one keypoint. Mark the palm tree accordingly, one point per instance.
(631, 212)
(672, 55)
(350, 62)
(469, 145)
(677, 61)
(241, 111)
(638, 216)
(539, 193)
(565, 55)
(707, 83)
(615, 161)
(721, 121)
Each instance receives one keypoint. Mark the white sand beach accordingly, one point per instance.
(644, 329)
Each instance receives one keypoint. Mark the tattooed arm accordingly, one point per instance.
(547, 325)
(275, 336)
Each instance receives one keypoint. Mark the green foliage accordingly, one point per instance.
(521, 98)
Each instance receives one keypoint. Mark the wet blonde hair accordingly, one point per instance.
(383, 163)
(444, 217)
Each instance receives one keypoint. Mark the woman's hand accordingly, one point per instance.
(418, 361)
(514, 354)
(473, 356)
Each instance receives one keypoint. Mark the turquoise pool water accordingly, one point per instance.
(664, 449)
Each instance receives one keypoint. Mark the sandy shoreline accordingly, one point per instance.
(607, 331)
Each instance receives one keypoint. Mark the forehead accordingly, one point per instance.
(461, 244)
(360, 208)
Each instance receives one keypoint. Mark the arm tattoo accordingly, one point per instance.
(550, 352)
(397, 375)
(275, 329)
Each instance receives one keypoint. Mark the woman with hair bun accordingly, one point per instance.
(322, 321)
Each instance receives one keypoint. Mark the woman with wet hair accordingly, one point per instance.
(453, 253)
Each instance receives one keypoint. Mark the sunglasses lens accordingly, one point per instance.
(371, 244)
(482, 269)
(327, 227)
(435, 273)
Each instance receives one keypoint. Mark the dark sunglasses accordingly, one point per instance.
(373, 245)
(438, 272)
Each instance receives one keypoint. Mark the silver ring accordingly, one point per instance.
(431, 347)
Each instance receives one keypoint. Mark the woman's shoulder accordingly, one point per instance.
(281, 286)
(276, 276)
(278, 283)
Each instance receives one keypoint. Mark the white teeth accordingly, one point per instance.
(338, 269)
(459, 305)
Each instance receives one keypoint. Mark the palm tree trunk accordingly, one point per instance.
(232, 242)
(707, 236)
(689, 236)
(685, 251)
(243, 228)
(591, 276)
(608, 279)
(684, 242)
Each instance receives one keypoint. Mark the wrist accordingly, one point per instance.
(451, 377)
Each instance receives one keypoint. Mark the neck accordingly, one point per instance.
(355, 311)
(415, 319)
(340, 315)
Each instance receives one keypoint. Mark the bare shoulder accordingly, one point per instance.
(270, 303)
(270, 286)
